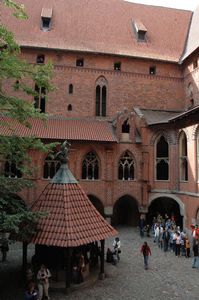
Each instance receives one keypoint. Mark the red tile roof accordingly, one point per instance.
(103, 26)
(72, 219)
(58, 128)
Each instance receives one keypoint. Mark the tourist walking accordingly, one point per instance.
(146, 251)
(43, 276)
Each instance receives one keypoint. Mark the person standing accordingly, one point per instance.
(146, 251)
(4, 249)
(116, 247)
(195, 253)
(43, 276)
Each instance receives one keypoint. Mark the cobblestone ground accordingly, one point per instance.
(168, 277)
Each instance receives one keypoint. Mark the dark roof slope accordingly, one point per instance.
(153, 117)
(103, 26)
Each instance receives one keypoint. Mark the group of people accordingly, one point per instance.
(169, 237)
(37, 291)
(113, 256)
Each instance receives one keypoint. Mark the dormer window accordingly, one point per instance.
(79, 62)
(117, 66)
(140, 31)
(46, 17)
(126, 126)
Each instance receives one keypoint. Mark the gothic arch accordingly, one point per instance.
(186, 133)
(169, 136)
(170, 202)
(125, 211)
(101, 80)
(194, 131)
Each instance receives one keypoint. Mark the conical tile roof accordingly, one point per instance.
(72, 219)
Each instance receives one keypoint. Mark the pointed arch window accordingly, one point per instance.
(11, 169)
(183, 157)
(70, 88)
(162, 159)
(51, 166)
(126, 126)
(100, 97)
(40, 98)
(126, 170)
(90, 167)
(197, 152)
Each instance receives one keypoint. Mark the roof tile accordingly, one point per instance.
(72, 221)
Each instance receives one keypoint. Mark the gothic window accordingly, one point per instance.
(90, 167)
(11, 170)
(126, 126)
(40, 98)
(126, 167)
(51, 166)
(100, 97)
(162, 159)
(183, 157)
(70, 89)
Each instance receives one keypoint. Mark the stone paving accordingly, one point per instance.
(168, 277)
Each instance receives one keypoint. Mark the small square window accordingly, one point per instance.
(80, 62)
(195, 64)
(152, 70)
(40, 59)
(117, 66)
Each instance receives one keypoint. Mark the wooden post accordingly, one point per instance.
(102, 274)
(24, 258)
(68, 254)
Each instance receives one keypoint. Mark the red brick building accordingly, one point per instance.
(127, 96)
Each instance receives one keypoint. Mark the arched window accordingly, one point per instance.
(70, 107)
(70, 89)
(126, 167)
(197, 152)
(51, 166)
(90, 167)
(40, 98)
(183, 157)
(100, 97)
(11, 170)
(126, 126)
(162, 159)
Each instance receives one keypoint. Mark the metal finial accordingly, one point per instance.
(63, 154)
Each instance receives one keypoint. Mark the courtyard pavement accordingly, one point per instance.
(168, 277)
